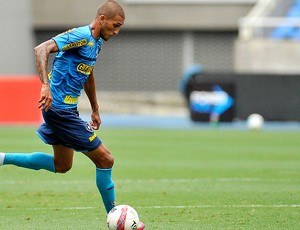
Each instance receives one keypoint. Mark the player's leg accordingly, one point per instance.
(61, 162)
(63, 158)
(104, 162)
(36, 160)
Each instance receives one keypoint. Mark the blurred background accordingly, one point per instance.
(247, 51)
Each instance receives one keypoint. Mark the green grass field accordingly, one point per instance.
(176, 179)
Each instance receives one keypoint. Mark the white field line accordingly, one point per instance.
(174, 207)
(223, 206)
(163, 180)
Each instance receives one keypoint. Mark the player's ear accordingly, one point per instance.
(101, 19)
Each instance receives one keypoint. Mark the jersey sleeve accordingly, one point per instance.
(71, 39)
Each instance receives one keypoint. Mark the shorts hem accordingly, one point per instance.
(92, 149)
(41, 137)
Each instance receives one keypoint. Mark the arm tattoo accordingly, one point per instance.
(41, 63)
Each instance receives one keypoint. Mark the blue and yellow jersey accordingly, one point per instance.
(78, 51)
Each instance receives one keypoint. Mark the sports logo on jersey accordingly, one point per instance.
(70, 100)
(75, 45)
(91, 43)
(85, 69)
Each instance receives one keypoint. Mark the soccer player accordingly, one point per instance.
(72, 71)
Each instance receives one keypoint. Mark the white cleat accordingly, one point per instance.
(1, 158)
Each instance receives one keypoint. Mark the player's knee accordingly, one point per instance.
(106, 161)
(62, 168)
(110, 161)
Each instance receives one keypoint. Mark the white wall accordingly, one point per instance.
(16, 40)
(267, 56)
(158, 15)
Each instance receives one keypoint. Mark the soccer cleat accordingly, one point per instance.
(140, 226)
(1, 158)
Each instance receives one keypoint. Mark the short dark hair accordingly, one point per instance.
(110, 9)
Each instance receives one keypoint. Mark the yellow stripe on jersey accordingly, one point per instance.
(75, 44)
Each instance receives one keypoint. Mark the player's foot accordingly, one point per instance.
(140, 226)
(1, 158)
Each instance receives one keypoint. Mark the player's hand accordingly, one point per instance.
(96, 120)
(45, 101)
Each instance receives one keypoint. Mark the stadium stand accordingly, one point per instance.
(268, 38)
(288, 29)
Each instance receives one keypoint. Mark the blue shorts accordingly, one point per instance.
(65, 127)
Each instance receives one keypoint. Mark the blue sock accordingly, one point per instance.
(106, 187)
(34, 161)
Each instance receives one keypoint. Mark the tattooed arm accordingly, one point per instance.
(42, 52)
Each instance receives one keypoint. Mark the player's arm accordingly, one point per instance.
(42, 52)
(90, 90)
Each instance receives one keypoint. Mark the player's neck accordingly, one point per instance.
(95, 30)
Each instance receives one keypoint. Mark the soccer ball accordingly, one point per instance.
(255, 121)
(122, 217)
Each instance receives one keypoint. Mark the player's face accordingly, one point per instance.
(111, 27)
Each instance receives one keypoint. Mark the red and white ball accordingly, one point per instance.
(122, 217)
